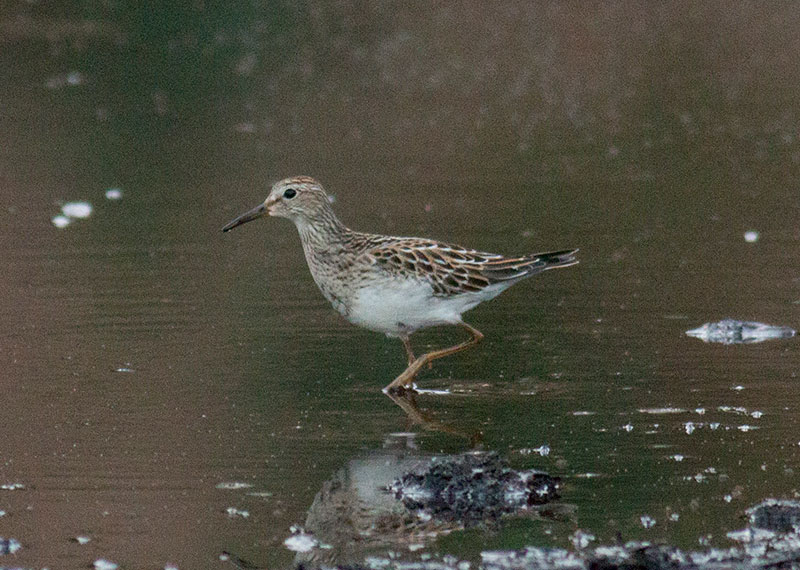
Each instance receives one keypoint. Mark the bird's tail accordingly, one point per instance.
(513, 269)
(554, 259)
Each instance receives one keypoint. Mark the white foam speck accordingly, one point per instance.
(103, 564)
(60, 221)
(233, 512)
(300, 542)
(751, 236)
(113, 194)
(661, 410)
(82, 539)
(233, 485)
(542, 450)
(77, 209)
(12, 486)
(647, 521)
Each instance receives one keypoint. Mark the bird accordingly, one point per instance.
(395, 285)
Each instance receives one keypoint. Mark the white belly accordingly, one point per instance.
(401, 306)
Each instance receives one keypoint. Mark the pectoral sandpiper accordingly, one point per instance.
(395, 285)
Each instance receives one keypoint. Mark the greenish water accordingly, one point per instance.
(148, 358)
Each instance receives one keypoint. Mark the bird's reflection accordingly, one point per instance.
(407, 400)
(359, 512)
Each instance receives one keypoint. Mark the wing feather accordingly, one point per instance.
(452, 270)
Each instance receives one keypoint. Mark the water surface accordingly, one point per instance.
(148, 358)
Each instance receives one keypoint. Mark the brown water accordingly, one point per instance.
(146, 357)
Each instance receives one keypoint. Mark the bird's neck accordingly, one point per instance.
(324, 233)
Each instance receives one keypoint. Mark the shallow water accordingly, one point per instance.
(147, 358)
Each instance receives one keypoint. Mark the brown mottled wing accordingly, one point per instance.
(452, 270)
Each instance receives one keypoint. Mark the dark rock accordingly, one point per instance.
(473, 489)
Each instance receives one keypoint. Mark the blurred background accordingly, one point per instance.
(150, 363)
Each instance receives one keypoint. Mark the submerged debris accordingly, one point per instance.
(9, 546)
(473, 489)
(776, 515)
(731, 331)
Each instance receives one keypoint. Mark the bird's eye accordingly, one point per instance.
(290, 193)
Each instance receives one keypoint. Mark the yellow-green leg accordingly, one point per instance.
(405, 379)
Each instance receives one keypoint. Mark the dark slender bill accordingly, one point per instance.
(251, 215)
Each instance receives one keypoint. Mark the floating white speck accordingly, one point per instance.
(751, 236)
(12, 486)
(581, 539)
(113, 194)
(677, 457)
(662, 410)
(103, 564)
(77, 209)
(647, 521)
(82, 540)
(74, 78)
(124, 369)
(301, 542)
(60, 221)
(70, 79)
(2, 513)
(674, 517)
(171, 567)
(233, 485)
(543, 450)
(233, 512)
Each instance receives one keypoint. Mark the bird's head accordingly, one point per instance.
(299, 198)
